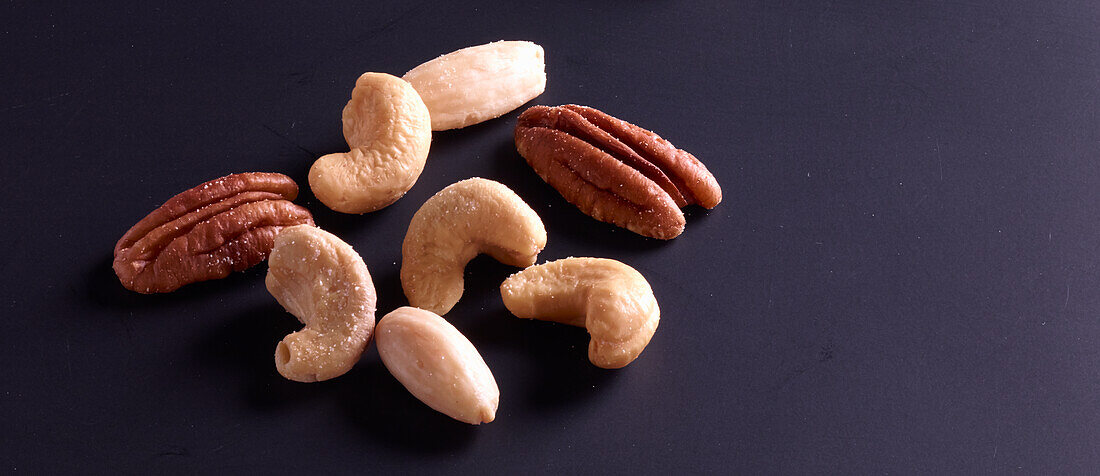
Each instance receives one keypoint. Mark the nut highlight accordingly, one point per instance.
(226, 224)
(438, 365)
(610, 299)
(323, 282)
(614, 171)
(388, 129)
(466, 218)
(479, 83)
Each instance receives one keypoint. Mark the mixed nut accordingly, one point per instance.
(226, 224)
(610, 299)
(389, 132)
(438, 364)
(464, 219)
(613, 170)
(610, 169)
(479, 83)
(325, 284)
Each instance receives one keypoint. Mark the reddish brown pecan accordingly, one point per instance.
(613, 170)
(226, 224)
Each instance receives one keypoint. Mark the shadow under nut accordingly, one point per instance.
(323, 282)
(224, 225)
(388, 129)
(610, 299)
(464, 219)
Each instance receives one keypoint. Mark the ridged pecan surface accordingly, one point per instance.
(226, 224)
(613, 170)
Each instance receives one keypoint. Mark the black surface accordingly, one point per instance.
(902, 276)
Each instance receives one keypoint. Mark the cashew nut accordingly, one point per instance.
(324, 283)
(388, 128)
(438, 365)
(612, 300)
(466, 218)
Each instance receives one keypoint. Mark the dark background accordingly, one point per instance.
(902, 276)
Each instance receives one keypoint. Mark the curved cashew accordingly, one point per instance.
(438, 365)
(612, 300)
(387, 126)
(325, 284)
(468, 217)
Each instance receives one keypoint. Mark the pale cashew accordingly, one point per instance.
(612, 300)
(324, 283)
(438, 365)
(388, 128)
(469, 217)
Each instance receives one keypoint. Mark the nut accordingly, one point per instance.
(226, 224)
(323, 282)
(465, 218)
(438, 365)
(614, 171)
(389, 132)
(479, 83)
(612, 300)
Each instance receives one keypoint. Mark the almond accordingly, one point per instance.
(437, 364)
(479, 83)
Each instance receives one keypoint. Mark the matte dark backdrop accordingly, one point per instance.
(902, 276)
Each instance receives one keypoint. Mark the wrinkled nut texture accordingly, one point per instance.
(323, 282)
(479, 83)
(389, 132)
(438, 365)
(466, 218)
(610, 299)
(226, 224)
(614, 171)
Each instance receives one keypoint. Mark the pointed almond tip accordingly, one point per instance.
(487, 416)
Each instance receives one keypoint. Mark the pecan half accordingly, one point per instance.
(226, 224)
(613, 170)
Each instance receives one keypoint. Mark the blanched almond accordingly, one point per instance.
(437, 364)
(479, 83)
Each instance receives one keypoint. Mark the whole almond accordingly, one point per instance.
(479, 83)
(437, 364)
